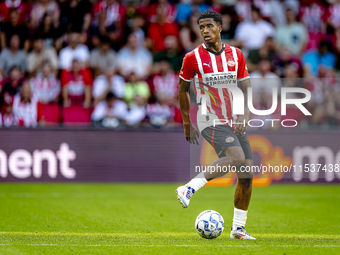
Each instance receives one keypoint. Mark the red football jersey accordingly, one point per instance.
(211, 69)
(157, 33)
(314, 17)
(26, 114)
(166, 85)
(76, 83)
(114, 12)
(333, 14)
(169, 11)
(24, 10)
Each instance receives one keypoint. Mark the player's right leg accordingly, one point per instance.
(227, 147)
(234, 157)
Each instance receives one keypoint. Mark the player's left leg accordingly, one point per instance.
(243, 192)
(244, 186)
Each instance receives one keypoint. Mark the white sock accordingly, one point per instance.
(198, 182)
(240, 217)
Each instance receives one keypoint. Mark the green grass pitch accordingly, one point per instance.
(147, 219)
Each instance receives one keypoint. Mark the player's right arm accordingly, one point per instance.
(190, 132)
(186, 75)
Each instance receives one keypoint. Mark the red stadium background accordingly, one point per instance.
(111, 67)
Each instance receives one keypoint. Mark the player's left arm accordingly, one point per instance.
(243, 76)
(243, 119)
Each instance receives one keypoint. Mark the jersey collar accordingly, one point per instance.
(213, 52)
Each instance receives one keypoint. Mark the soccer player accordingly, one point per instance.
(210, 65)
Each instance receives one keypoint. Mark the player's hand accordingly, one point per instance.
(241, 127)
(191, 134)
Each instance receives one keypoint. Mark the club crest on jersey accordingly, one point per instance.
(231, 63)
(229, 139)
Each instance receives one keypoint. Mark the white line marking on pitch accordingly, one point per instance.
(173, 245)
(165, 234)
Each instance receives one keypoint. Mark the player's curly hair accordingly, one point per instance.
(210, 14)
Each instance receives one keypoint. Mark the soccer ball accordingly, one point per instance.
(209, 224)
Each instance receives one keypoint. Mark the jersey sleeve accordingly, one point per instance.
(187, 72)
(242, 72)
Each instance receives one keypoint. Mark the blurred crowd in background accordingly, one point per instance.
(115, 63)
